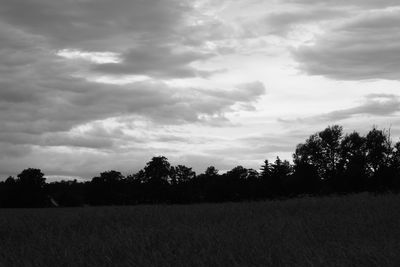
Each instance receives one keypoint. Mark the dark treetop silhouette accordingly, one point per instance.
(328, 162)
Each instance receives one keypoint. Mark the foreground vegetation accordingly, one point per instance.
(358, 230)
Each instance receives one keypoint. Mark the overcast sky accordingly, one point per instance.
(94, 85)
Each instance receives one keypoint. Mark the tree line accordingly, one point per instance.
(328, 162)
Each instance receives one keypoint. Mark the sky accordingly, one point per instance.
(93, 85)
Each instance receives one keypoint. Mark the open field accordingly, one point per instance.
(360, 230)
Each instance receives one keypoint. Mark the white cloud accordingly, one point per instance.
(95, 57)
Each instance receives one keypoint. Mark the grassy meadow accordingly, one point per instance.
(359, 230)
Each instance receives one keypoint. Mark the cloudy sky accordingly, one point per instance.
(93, 85)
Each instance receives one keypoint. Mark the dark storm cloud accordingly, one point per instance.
(281, 23)
(260, 146)
(59, 109)
(152, 37)
(89, 141)
(247, 92)
(251, 153)
(366, 47)
(87, 23)
(13, 151)
(355, 3)
(373, 105)
(156, 61)
(272, 143)
(85, 140)
(40, 96)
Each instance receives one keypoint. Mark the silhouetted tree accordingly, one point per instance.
(310, 153)
(321, 150)
(67, 193)
(33, 178)
(263, 187)
(378, 149)
(108, 189)
(182, 174)
(280, 170)
(10, 181)
(208, 185)
(137, 188)
(395, 168)
(158, 170)
(211, 171)
(137, 178)
(330, 144)
(233, 184)
(30, 186)
(158, 178)
(237, 173)
(111, 176)
(252, 175)
(353, 164)
(327, 162)
(304, 180)
(8, 193)
(266, 170)
(181, 188)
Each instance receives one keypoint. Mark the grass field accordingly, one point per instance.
(360, 230)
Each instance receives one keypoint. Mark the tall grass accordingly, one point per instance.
(360, 230)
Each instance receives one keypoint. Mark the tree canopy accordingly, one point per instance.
(328, 162)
